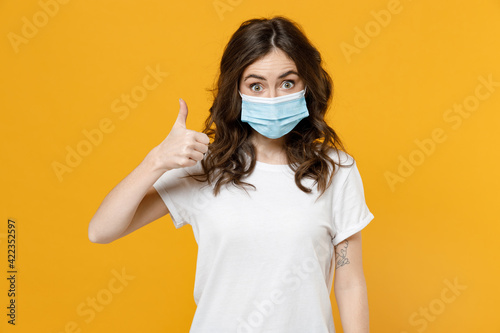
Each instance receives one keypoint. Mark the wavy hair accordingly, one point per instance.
(306, 146)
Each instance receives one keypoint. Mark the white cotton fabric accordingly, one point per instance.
(266, 258)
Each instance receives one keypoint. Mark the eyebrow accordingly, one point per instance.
(264, 79)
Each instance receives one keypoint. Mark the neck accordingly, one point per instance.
(268, 150)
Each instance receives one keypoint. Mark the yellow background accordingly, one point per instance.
(437, 227)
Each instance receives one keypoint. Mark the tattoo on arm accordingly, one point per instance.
(341, 255)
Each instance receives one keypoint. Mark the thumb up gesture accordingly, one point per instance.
(182, 147)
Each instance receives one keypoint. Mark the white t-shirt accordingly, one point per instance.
(266, 258)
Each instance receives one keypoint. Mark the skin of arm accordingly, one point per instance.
(134, 202)
(129, 206)
(350, 286)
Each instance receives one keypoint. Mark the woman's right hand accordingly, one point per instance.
(134, 202)
(182, 147)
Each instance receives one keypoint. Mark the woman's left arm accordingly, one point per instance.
(350, 286)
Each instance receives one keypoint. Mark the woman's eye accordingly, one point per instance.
(255, 85)
(288, 84)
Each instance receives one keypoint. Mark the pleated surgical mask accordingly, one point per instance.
(273, 117)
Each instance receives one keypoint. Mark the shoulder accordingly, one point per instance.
(344, 162)
(194, 169)
(180, 176)
(340, 156)
(344, 165)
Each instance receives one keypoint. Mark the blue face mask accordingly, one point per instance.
(276, 116)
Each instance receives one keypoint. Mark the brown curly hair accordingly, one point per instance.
(306, 146)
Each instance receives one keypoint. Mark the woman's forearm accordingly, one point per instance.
(181, 148)
(118, 208)
(353, 308)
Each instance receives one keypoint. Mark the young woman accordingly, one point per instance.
(272, 200)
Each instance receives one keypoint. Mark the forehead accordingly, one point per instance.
(273, 63)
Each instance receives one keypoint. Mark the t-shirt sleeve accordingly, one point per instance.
(351, 214)
(176, 192)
